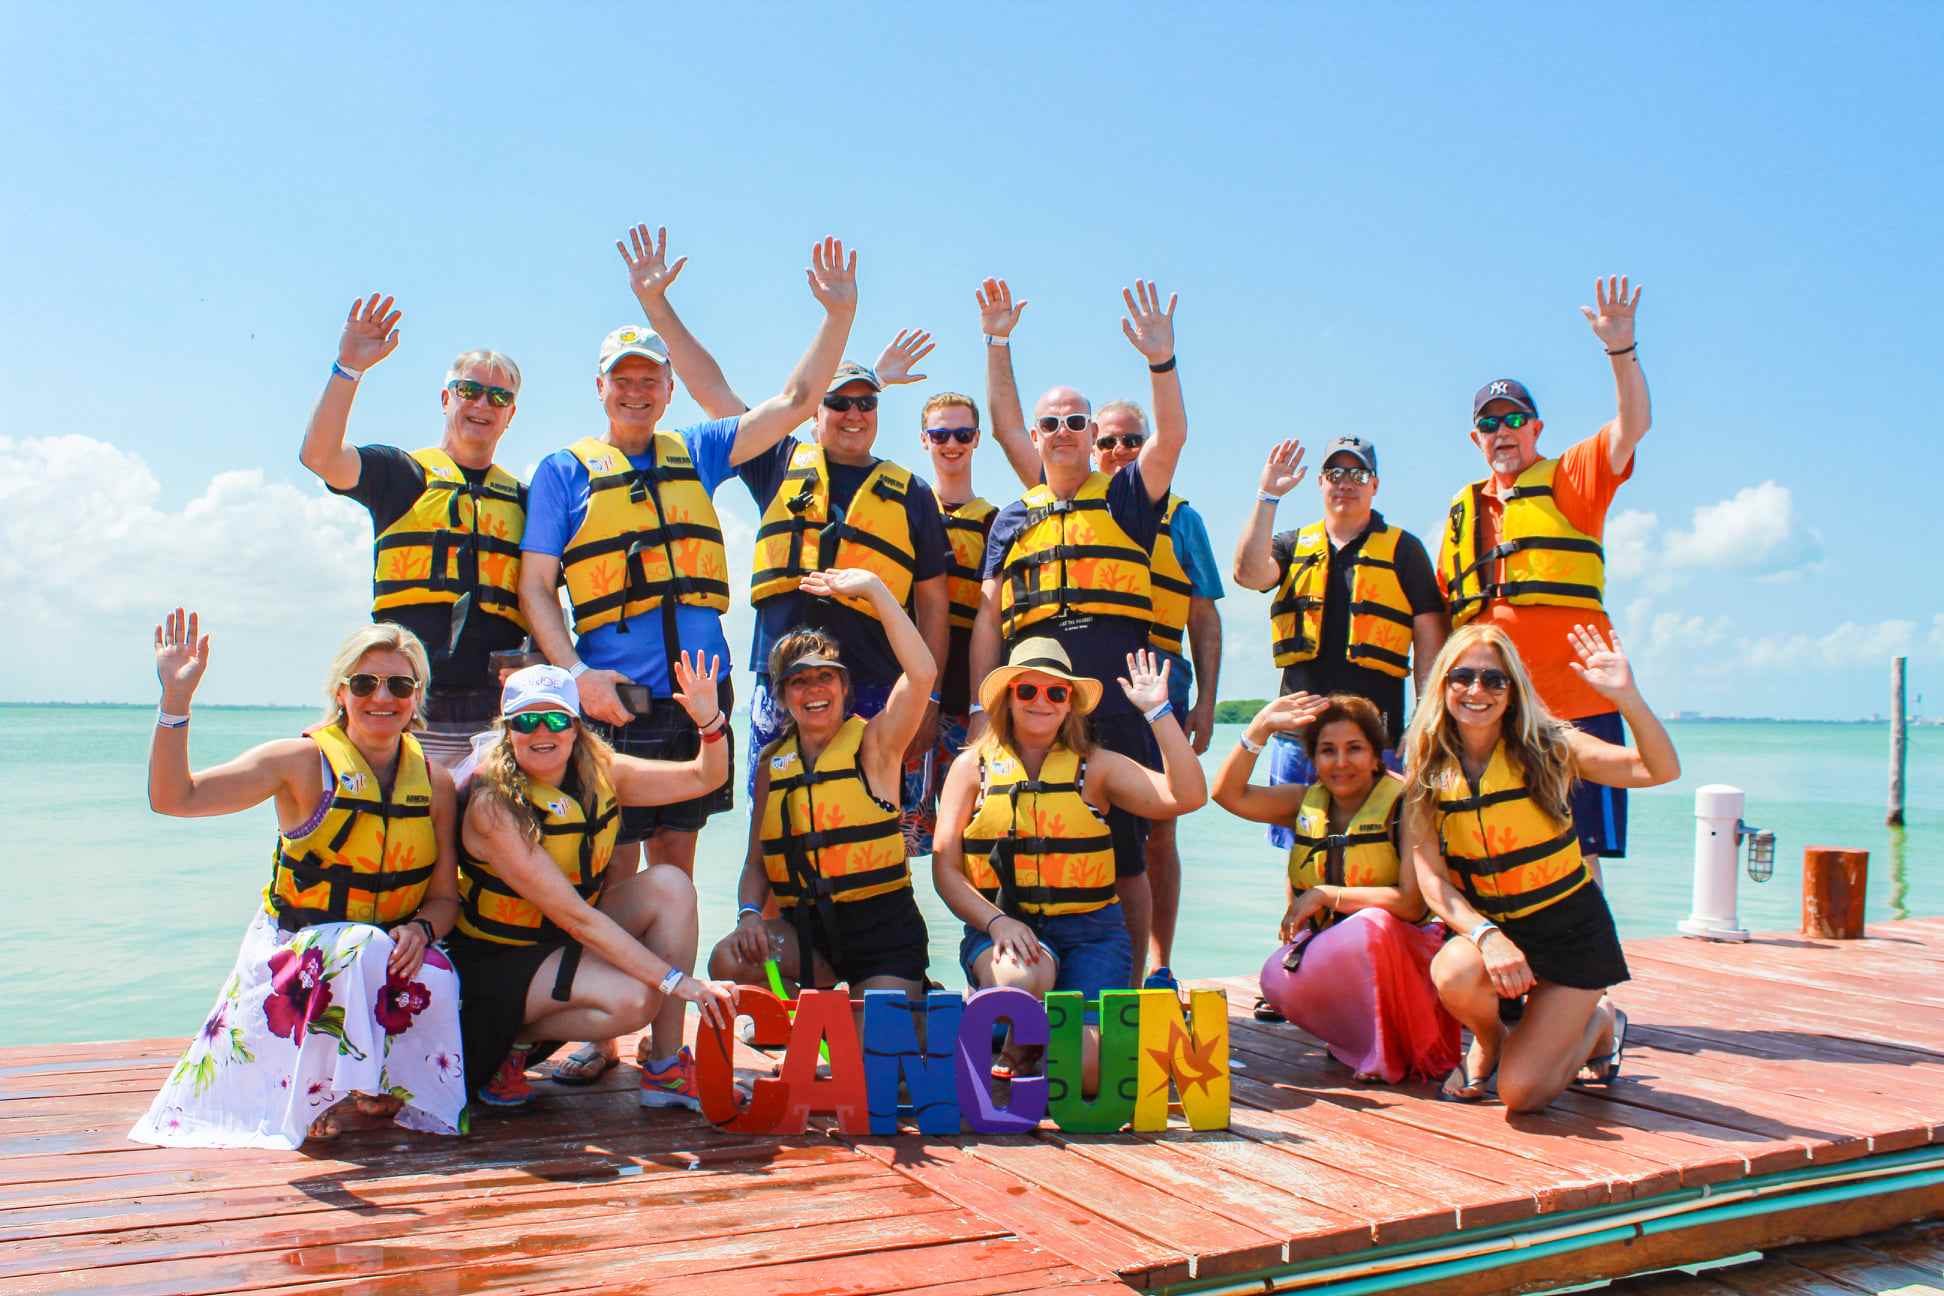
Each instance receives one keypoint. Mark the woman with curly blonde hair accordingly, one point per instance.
(1489, 829)
(548, 945)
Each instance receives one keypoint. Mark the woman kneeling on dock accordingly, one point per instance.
(1354, 967)
(1489, 827)
(338, 1002)
(1023, 852)
(824, 833)
(546, 948)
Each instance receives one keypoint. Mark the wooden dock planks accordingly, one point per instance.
(1781, 1054)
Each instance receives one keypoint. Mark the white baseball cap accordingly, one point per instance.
(632, 339)
(531, 685)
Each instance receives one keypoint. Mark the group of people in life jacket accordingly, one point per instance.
(486, 846)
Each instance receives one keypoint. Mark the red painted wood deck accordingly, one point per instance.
(1744, 1060)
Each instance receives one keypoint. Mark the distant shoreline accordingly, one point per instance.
(1227, 712)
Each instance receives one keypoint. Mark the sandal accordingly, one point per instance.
(584, 1066)
(1266, 1011)
(1609, 1066)
(1482, 1086)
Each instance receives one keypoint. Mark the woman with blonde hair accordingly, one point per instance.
(1023, 851)
(339, 1003)
(549, 946)
(1489, 828)
(1354, 968)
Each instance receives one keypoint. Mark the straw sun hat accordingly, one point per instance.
(1048, 658)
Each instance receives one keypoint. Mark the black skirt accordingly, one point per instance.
(493, 984)
(1572, 942)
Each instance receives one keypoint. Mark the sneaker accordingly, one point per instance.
(509, 1086)
(1161, 978)
(674, 1087)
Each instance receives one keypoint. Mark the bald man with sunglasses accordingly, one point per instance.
(446, 520)
(1071, 559)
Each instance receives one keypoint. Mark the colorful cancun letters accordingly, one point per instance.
(931, 1062)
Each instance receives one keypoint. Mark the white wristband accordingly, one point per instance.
(1264, 497)
(974, 709)
(997, 341)
(578, 669)
(166, 720)
(673, 979)
(1160, 710)
(1477, 933)
(1254, 749)
(345, 371)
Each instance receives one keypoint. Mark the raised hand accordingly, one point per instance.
(1147, 326)
(1613, 321)
(1283, 471)
(895, 363)
(833, 281)
(1287, 714)
(850, 582)
(695, 688)
(181, 656)
(1601, 664)
(1145, 687)
(998, 316)
(649, 273)
(370, 333)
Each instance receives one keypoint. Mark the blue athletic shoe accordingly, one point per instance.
(1161, 979)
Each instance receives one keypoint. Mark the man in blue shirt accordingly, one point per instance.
(1059, 584)
(644, 569)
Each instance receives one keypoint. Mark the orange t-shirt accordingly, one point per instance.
(1583, 488)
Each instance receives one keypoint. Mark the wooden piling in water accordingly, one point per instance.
(1899, 741)
(1834, 882)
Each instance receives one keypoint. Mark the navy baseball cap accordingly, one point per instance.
(1505, 389)
(1364, 452)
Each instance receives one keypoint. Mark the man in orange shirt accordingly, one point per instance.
(1521, 548)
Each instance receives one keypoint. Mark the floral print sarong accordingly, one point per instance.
(307, 1019)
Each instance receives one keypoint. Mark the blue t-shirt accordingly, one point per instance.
(1097, 645)
(556, 507)
(1194, 553)
(866, 651)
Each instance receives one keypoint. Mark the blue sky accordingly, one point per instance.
(1367, 212)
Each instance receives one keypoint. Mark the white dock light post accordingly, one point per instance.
(1718, 833)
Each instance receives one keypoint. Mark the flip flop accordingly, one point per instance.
(1610, 1067)
(583, 1066)
(1484, 1086)
(1266, 1012)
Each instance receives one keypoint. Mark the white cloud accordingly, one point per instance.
(1753, 531)
(1629, 543)
(1849, 644)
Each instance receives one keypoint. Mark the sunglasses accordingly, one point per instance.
(1130, 441)
(843, 404)
(1489, 423)
(528, 721)
(364, 685)
(1463, 677)
(1072, 422)
(466, 389)
(962, 435)
(1055, 693)
(1338, 475)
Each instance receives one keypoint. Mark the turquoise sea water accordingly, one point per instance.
(121, 923)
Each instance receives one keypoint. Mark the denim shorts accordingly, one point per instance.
(1092, 948)
(1289, 763)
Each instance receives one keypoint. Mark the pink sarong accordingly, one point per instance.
(1364, 989)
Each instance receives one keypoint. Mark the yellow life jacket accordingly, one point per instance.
(355, 865)
(966, 527)
(1364, 854)
(456, 539)
(794, 535)
(641, 525)
(1547, 560)
(1509, 855)
(1035, 846)
(580, 847)
(824, 836)
(1380, 614)
(1170, 587)
(1071, 558)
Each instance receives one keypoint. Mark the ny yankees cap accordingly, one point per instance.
(1505, 389)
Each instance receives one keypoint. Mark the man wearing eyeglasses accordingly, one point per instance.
(447, 521)
(831, 502)
(1071, 559)
(1521, 547)
(1357, 608)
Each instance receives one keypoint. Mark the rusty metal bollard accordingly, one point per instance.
(1834, 881)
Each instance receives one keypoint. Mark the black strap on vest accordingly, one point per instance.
(644, 483)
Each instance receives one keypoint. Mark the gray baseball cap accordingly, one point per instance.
(1364, 452)
(849, 372)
